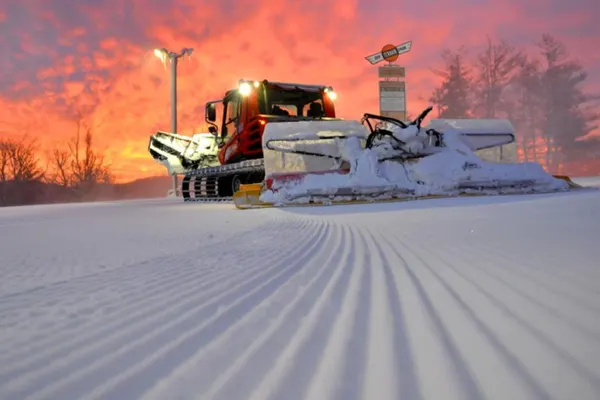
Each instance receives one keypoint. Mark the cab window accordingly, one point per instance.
(232, 114)
(313, 109)
(275, 101)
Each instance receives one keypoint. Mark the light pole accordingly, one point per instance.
(164, 55)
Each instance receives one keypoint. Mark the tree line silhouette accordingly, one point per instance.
(73, 172)
(542, 94)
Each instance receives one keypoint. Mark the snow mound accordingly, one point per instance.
(454, 170)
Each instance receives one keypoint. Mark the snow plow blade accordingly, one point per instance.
(293, 149)
(567, 179)
(249, 197)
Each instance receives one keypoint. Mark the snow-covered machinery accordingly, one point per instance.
(381, 158)
(216, 164)
(181, 153)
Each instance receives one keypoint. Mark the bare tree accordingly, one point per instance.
(87, 166)
(79, 165)
(19, 161)
(61, 173)
(20, 173)
(4, 163)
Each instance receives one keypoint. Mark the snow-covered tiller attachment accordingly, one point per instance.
(382, 159)
(181, 153)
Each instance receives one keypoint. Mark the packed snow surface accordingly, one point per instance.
(471, 298)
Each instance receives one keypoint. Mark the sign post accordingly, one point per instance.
(392, 87)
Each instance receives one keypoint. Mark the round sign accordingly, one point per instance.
(389, 52)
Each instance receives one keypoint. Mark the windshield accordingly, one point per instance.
(290, 102)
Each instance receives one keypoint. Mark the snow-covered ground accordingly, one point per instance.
(471, 298)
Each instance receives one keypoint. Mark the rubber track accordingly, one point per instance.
(224, 200)
(224, 170)
(247, 166)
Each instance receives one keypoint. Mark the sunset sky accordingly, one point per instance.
(96, 56)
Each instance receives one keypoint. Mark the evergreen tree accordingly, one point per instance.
(542, 96)
(452, 98)
(521, 100)
(568, 114)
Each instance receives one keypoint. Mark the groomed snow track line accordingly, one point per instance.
(467, 298)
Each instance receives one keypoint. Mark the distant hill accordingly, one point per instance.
(13, 193)
(155, 186)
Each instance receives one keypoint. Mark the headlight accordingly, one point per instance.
(245, 89)
(331, 94)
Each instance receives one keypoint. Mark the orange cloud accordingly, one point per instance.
(96, 58)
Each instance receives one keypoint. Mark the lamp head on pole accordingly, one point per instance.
(187, 50)
(162, 54)
(165, 55)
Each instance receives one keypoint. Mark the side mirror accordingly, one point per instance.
(213, 130)
(211, 112)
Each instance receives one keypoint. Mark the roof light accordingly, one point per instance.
(245, 89)
(331, 94)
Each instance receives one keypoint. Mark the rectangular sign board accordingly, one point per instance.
(392, 103)
(392, 96)
(392, 71)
